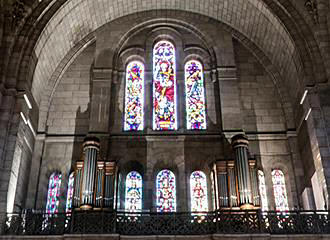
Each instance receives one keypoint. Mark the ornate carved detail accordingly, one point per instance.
(18, 12)
(311, 6)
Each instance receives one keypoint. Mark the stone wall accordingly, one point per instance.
(69, 109)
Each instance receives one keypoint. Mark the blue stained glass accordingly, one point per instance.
(281, 198)
(164, 87)
(166, 191)
(69, 195)
(195, 96)
(53, 195)
(133, 200)
(134, 97)
(198, 192)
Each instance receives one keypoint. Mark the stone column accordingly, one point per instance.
(222, 184)
(254, 183)
(77, 184)
(109, 184)
(232, 184)
(91, 150)
(240, 145)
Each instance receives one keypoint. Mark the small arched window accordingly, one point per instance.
(134, 97)
(195, 96)
(53, 195)
(164, 87)
(198, 192)
(166, 191)
(69, 195)
(280, 194)
(133, 199)
(262, 191)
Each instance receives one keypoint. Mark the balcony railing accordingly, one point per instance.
(181, 223)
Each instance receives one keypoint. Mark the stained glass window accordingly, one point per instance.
(281, 199)
(164, 87)
(134, 96)
(133, 200)
(53, 195)
(195, 97)
(69, 195)
(166, 191)
(198, 192)
(262, 191)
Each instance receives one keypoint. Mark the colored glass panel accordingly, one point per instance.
(281, 199)
(53, 195)
(164, 87)
(69, 195)
(166, 191)
(195, 96)
(198, 192)
(262, 191)
(133, 200)
(134, 96)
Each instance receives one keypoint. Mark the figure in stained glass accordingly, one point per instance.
(166, 191)
(198, 192)
(195, 97)
(133, 201)
(262, 191)
(280, 194)
(134, 97)
(164, 87)
(69, 195)
(53, 195)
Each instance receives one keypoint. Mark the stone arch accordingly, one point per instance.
(286, 101)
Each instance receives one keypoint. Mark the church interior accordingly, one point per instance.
(143, 118)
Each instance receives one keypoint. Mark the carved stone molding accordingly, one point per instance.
(311, 6)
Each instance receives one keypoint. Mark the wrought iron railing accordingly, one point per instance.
(187, 223)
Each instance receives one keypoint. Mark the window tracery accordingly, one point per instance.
(195, 96)
(198, 192)
(69, 195)
(133, 199)
(53, 195)
(164, 87)
(134, 97)
(166, 191)
(262, 191)
(280, 194)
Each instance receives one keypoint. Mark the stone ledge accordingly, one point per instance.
(172, 237)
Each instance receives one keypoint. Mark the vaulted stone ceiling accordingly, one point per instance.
(279, 32)
(77, 18)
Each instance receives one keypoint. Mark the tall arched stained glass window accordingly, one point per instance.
(262, 191)
(53, 195)
(198, 192)
(164, 87)
(195, 96)
(281, 199)
(134, 96)
(166, 191)
(133, 199)
(69, 195)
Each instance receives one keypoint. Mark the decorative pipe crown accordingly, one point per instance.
(239, 140)
(91, 142)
